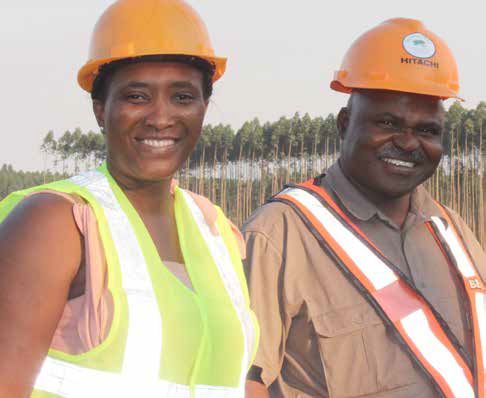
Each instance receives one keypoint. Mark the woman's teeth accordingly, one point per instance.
(159, 143)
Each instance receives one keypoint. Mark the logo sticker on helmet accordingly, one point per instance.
(418, 45)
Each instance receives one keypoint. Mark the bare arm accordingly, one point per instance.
(40, 252)
(254, 389)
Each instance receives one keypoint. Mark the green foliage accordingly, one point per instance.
(12, 180)
(280, 145)
(74, 151)
(462, 125)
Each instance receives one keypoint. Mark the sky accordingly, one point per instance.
(281, 58)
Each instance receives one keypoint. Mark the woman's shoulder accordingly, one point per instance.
(42, 220)
(45, 207)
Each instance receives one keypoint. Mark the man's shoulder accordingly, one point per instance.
(469, 239)
(269, 217)
(456, 218)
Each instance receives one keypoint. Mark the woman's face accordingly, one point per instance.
(152, 118)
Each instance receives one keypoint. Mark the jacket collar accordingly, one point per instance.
(422, 206)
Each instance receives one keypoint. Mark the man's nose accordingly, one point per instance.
(406, 140)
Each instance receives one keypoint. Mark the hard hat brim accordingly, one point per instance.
(89, 71)
(441, 93)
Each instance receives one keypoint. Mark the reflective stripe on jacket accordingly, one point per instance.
(418, 327)
(132, 360)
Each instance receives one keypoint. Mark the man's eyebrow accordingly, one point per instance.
(421, 123)
(135, 84)
(430, 123)
(388, 115)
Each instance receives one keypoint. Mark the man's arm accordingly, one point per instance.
(263, 267)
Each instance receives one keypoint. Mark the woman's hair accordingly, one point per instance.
(106, 71)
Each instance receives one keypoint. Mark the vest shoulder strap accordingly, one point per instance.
(414, 322)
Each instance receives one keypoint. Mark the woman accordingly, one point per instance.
(130, 285)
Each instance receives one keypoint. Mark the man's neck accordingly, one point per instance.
(396, 209)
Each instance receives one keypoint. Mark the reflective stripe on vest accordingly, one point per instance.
(475, 289)
(227, 273)
(140, 368)
(397, 303)
(70, 381)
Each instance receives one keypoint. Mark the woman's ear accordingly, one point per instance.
(99, 112)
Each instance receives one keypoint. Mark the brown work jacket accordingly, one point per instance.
(319, 336)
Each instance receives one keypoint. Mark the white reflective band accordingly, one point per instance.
(144, 338)
(143, 346)
(71, 381)
(464, 265)
(202, 391)
(480, 301)
(378, 273)
(222, 259)
(436, 354)
(467, 269)
(67, 380)
(415, 326)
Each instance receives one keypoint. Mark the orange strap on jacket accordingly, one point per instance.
(474, 287)
(418, 327)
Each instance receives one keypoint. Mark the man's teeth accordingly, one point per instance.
(397, 162)
(159, 143)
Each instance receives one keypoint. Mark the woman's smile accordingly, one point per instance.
(153, 117)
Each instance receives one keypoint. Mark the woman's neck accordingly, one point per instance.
(146, 196)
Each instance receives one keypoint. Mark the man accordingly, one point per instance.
(364, 285)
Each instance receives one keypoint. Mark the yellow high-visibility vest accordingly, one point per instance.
(165, 339)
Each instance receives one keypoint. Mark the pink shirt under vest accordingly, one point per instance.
(86, 319)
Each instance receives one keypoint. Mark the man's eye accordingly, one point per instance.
(389, 124)
(428, 131)
(184, 98)
(136, 97)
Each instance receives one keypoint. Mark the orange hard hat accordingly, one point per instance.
(135, 28)
(401, 55)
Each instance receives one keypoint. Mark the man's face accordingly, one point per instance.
(391, 141)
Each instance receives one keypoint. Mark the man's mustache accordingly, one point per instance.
(391, 151)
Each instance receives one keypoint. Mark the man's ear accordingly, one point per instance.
(99, 112)
(342, 122)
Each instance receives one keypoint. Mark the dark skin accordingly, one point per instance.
(167, 106)
(152, 117)
(255, 389)
(391, 143)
